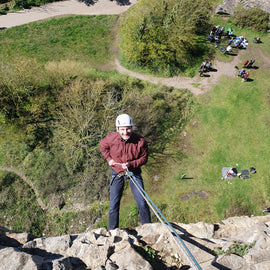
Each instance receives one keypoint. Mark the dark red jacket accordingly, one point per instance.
(134, 151)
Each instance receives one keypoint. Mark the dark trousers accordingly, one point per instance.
(116, 191)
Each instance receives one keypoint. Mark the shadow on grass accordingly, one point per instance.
(233, 54)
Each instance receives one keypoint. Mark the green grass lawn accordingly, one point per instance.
(231, 130)
(85, 39)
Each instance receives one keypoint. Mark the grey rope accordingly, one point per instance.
(160, 216)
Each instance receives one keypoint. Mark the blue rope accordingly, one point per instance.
(131, 175)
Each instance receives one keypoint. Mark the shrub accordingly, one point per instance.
(27, 4)
(3, 12)
(254, 18)
(165, 36)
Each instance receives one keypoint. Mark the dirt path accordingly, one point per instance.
(196, 85)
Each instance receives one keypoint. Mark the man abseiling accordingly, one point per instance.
(125, 150)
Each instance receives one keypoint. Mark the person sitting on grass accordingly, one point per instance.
(251, 62)
(228, 49)
(245, 63)
(208, 66)
(245, 77)
(257, 40)
(229, 31)
(241, 73)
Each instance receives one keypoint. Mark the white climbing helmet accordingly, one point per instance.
(123, 120)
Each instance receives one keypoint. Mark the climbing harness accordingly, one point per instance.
(163, 220)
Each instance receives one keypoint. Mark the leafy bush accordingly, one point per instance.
(27, 4)
(165, 36)
(26, 100)
(86, 113)
(254, 18)
(3, 12)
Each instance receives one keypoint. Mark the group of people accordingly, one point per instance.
(205, 67)
(243, 74)
(239, 42)
(217, 32)
(248, 63)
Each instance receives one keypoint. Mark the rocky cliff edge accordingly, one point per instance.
(234, 243)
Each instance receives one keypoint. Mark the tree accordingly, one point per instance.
(83, 118)
(164, 35)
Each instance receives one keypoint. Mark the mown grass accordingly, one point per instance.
(231, 129)
(76, 38)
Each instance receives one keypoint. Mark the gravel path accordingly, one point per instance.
(74, 7)
(197, 85)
